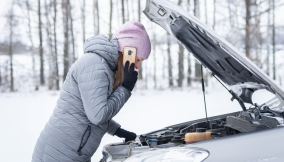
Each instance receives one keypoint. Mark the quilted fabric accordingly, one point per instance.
(86, 106)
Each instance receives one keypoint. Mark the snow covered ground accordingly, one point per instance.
(23, 115)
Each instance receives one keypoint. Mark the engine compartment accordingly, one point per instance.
(254, 119)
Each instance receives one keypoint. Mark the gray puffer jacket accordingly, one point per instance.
(85, 108)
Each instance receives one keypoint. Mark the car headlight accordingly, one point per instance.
(176, 154)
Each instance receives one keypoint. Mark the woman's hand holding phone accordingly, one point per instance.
(129, 54)
(130, 76)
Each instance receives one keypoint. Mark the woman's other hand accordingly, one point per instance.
(129, 136)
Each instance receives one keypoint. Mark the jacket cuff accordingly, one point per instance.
(112, 127)
(124, 90)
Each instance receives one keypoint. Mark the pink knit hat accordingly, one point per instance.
(133, 34)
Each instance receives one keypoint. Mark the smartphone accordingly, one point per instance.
(129, 54)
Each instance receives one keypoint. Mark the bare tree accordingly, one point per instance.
(73, 57)
(189, 70)
(6, 73)
(180, 60)
(155, 60)
(123, 11)
(51, 35)
(258, 41)
(30, 37)
(180, 65)
(65, 11)
(229, 3)
(68, 36)
(139, 10)
(110, 18)
(196, 9)
(11, 24)
(248, 4)
(164, 65)
(214, 14)
(140, 76)
(83, 18)
(268, 51)
(273, 41)
(96, 17)
(196, 12)
(49, 42)
(127, 10)
(133, 10)
(170, 66)
(56, 71)
(253, 34)
(206, 13)
(42, 78)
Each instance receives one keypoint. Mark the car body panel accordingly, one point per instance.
(260, 146)
(252, 135)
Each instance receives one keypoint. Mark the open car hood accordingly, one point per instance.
(223, 60)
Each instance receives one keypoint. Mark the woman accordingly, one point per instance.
(96, 88)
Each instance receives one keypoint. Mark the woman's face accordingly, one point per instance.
(138, 63)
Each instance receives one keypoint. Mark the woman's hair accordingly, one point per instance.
(119, 74)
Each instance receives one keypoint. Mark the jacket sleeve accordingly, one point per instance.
(112, 127)
(99, 107)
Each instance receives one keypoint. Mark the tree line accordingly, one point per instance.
(52, 29)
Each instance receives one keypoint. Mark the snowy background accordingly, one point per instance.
(24, 112)
(23, 115)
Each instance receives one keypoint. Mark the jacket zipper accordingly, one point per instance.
(84, 139)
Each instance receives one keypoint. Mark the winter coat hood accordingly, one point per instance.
(105, 48)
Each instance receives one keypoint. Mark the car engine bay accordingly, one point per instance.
(252, 120)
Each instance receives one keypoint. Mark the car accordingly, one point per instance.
(253, 134)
